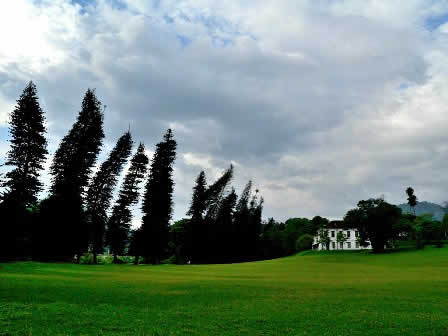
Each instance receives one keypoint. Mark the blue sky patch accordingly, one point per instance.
(184, 40)
(434, 22)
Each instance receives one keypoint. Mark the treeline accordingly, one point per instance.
(78, 216)
(379, 224)
(223, 227)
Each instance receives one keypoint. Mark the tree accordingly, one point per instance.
(63, 229)
(376, 220)
(27, 155)
(117, 233)
(100, 191)
(196, 234)
(179, 240)
(445, 226)
(428, 230)
(324, 238)
(412, 199)
(221, 248)
(340, 239)
(304, 242)
(158, 200)
(242, 223)
(136, 245)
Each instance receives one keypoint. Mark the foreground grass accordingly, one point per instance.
(313, 294)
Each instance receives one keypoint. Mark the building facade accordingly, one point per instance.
(350, 240)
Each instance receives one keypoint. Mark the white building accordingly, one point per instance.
(350, 243)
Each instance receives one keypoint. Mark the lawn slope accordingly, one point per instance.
(314, 294)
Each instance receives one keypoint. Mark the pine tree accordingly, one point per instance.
(255, 222)
(158, 199)
(242, 223)
(117, 233)
(27, 155)
(100, 192)
(216, 192)
(63, 227)
(28, 149)
(223, 229)
(195, 235)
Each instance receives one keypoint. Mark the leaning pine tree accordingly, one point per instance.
(117, 233)
(63, 229)
(158, 200)
(100, 192)
(27, 155)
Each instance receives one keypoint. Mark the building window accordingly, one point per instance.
(332, 234)
(356, 233)
(349, 245)
(348, 234)
(333, 245)
(357, 245)
(341, 245)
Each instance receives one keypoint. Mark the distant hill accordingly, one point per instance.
(425, 207)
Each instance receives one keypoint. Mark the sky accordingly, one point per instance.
(321, 103)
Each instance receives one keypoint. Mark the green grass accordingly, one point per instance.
(341, 293)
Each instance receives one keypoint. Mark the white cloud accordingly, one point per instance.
(320, 103)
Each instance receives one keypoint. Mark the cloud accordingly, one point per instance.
(320, 103)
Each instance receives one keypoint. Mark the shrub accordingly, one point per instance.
(305, 242)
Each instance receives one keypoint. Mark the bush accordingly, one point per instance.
(305, 242)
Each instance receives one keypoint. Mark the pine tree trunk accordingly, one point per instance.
(115, 259)
(136, 259)
(95, 259)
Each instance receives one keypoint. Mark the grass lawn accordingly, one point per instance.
(341, 293)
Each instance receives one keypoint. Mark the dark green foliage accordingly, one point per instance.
(324, 237)
(196, 234)
(179, 240)
(412, 199)
(118, 227)
(221, 232)
(427, 230)
(28, 149)
(27, 155)
(216, 192)
(305, 242)
(296, 227)
(100, 191)
(242, 224)
(340, 239)
(376, 221)
(274, 240)
(158, 200)
(63, 230)
(222, 227)
(136, 245)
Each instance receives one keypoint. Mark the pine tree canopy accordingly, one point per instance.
(158, 198)
(101, 189)
(198, 202)
(79, 149)
(28, 148)
(117, 234)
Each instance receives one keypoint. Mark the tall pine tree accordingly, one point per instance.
(242, 223)
(117, 234)
(158, 200)
(222, 248)
(100, 192)
(63, 227)
(196, 235)
(27, 155)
